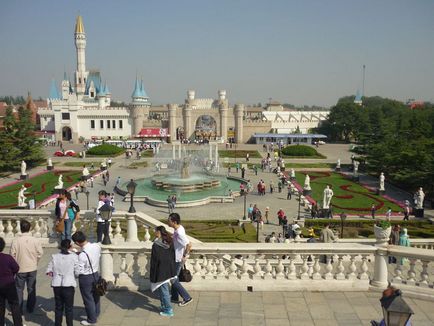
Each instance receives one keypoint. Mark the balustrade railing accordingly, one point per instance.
(10, 223)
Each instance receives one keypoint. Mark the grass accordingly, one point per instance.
(349, 196)
(319, 156)
(234, 165)
(138, 164)
(43, 185)
(310, 165)
(241, 154)
(81, 163)
(365, 228)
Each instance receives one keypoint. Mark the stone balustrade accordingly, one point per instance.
(10, 223)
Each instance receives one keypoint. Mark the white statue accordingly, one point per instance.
(338, 164)
(292, 174)
(328, 194)
(307, 183)
(59, 182)
(356, 167)
(49, 163)
(104, 163)
(382, 178)
(23, 168)
(85, 172)
(420, 198)
(21, 197)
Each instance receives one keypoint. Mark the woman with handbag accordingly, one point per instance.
(72, 215)
(63, 268)
(163, 269)
(60, 212)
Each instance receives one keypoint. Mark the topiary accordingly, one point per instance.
(105, 150)
(299, 150)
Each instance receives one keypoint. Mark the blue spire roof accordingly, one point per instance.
(142, 90)
(54, 92)
(64, 76)
(358, 97)
(137, 89)
(106, 89)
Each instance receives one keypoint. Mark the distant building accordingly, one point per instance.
(358, 98)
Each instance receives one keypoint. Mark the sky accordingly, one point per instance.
(308, 52)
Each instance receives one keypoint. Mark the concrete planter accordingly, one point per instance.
(382, 235)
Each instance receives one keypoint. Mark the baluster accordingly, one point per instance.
(292, 275)
(147, 235)
(74, 227)
(110, 229)
(132, 229)
(424, 277)
(352, 269)
(304, 269)
(204, 264)
(267, 270)
(364, 269)
(340, 269)
(17, 228)
(2, 229)
(279, 270)
(197, 268)
(221, 270)
(257, 269)
(233, 268)
(244, 270)
(123, 278)
(329, 268)
(316, 269)
(36, 230)
(107, 265)
(9, 229)
(411, 275)
(209, 273)
(118, 232)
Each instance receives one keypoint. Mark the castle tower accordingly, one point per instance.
(239, 115)
(139, 106)
(80, 45)
(172, 121)
(223, 110)
(65, 87)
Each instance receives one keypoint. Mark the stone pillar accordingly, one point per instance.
(216, 153)
(380, 270)
(172, 122)
(107, 265)
(132, 229)
(224, 122)
(179, 151)
(210, 151)
(173, 151)
(187, 121)
(138, 116)
(239, 114)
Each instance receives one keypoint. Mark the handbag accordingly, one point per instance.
(60, 223)
(185, 275)
(99, 286)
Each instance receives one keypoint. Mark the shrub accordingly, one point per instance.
(299, 150)
(105, 149)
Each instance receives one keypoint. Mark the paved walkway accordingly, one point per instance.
(228, 308)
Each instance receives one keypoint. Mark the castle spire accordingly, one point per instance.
(79, 28)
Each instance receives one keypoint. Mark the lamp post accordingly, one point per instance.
(34, 198)
(396, 311)
(106, 214)
(299, 205)
(87, 199)
(243, 193)
(257, 229)
(343, 217)
(131, 187)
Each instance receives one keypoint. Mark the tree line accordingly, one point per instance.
(390, 137)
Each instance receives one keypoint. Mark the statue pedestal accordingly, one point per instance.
(381, 192)
(307, 192)
(323, 213)
(21, 207)
(419, 212)
(85, 177)
(338, 169)
(355, 178)
(103, 168)
(24, 176)
(50, 167)
(57, 191)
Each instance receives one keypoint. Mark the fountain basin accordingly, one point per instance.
(195, 182)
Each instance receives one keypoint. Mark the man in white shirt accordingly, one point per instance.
(88, 266)
(182, 249)
(102, 226)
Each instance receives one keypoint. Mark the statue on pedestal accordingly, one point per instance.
(356, 168)
(49, 162)
(328, 194)
(307, 183)
(185, 173)
(420, 197)
(292, 174)
(59, 182)
(338, 164)
(23, 168)
(382, 178)
(85, 172)
(21, 197)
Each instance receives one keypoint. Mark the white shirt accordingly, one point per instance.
(64, 268)
(93, 250)
(180, 240)
(99, 219)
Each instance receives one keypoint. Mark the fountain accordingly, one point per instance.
(190, 174)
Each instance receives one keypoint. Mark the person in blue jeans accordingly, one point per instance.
(182, 249)
(163, 269)
(72, 214)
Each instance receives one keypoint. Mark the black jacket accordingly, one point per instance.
(162, 262)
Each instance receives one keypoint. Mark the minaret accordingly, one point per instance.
(80, 44)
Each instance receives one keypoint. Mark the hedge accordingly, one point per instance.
(105, 149)
(300, 150)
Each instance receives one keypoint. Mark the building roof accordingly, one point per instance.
(137, 90)
(95, 77)
(294, 136)
(79, 28)
(54, 92)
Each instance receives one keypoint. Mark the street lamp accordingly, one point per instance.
(343, 217)
(34, 198)
(131, 187)
(299, 205)
(396, 311)
(243, 193)
(87, 199)
(106, 214)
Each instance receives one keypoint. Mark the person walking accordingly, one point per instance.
(182, 249)
(289, 194)
(27, 251)
(102, 226)
(394, 240)
(63, 268)
(243, 172)
(406, 211)
(104, 179)
(163, 268)
(373, 209)
(60, 210)
(8, 291)
(327, 236)
(72, 214)
(88, 267)
(169, 204)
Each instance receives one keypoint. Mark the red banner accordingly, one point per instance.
(153, 132)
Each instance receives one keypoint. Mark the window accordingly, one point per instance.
(65, 116)
(120, 124)
(108, 124)
(101, 124)
(114, 124)
(92, 94)
(79, 80)
(92, 124)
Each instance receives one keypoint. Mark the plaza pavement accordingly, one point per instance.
(128, 308)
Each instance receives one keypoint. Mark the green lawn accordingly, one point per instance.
(42, 184)
(310, 165)
(81, 163)
(138, 164)
(349, 196)
(240, 154)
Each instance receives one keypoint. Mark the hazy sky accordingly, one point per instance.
(300, 52)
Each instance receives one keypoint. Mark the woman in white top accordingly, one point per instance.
(63, 269)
